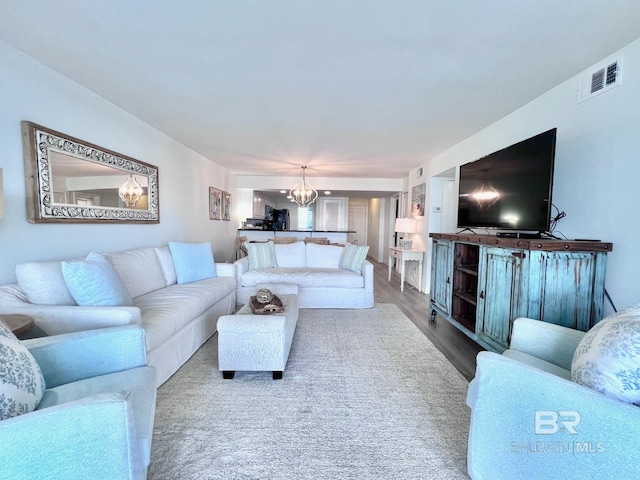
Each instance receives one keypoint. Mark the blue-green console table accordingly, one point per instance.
(482, 283)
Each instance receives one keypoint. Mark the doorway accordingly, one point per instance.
(358, 223)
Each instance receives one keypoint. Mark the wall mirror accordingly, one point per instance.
(72, 181)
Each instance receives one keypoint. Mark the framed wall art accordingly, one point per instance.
(226, 206)
(215, 204)
(418, 194)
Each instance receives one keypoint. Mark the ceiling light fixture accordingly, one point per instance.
(303, 193)
(130, 191)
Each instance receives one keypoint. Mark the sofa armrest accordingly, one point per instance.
(241, 265)
(74, 356)
(88, 438)
(553, 343)
(526, 420)
(225, 269)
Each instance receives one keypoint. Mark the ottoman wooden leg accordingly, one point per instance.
(228, 374)
(277, 375)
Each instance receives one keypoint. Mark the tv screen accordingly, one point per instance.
(509, 189)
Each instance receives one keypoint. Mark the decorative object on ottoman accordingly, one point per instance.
(274, 305)
(264, 295)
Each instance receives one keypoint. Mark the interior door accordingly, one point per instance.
(358, 222)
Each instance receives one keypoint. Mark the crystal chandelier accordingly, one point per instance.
(303, 193)
(130, 191)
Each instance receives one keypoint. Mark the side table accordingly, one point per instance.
(404, 255)
(18, 324)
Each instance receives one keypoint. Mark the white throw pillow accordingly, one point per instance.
(21, 382)
(608, 357)
(166, 264)
(43, 283)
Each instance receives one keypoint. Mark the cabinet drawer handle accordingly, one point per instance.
(448, 279)
(482, 294)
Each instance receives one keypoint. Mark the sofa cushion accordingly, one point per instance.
(323, 256)
(166, 265)
(304, 277)
(192, 261)
(21, 382)
(608, 357)
(43, 283)
(353, 257)
(261, 255)
(139, 269)
(290, 255)
(95, 282)
(166, 311)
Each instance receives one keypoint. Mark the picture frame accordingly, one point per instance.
(226, 206)
(418, 194)
(215, 203)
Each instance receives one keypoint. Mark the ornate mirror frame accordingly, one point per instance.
(45, 205)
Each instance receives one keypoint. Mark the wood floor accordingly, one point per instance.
(459, 349)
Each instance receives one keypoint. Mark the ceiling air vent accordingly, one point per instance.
(599, 80)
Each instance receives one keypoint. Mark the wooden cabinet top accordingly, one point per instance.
(545, 244)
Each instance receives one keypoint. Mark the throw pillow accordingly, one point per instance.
(43, 283)
(166, 264)
(261, 255)
(95, 282)
(353, 257)
(608, 357)
(192, 261)
(21, 382)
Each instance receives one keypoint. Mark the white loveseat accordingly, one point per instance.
(177, 317)
(315, 269)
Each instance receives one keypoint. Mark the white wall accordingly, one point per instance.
(32, 91)
(597, 165)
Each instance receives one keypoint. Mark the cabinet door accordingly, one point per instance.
(500, 293)
(441, 273)
(567, 288)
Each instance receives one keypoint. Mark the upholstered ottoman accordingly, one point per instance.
(250, 342)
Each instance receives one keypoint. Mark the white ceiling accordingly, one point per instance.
(364, 88)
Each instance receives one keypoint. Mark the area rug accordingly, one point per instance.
(365, 395)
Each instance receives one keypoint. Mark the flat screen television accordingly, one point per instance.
(509, 189)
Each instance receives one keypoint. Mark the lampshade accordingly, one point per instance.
(405, 225)
(130, 191)
(303, 193)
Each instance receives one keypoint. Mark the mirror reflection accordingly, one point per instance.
(80, 182)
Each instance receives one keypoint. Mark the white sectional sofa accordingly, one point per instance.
(177, 317)
(315, 268)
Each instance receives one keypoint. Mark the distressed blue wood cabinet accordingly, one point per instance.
(482, 283)
(442, 275)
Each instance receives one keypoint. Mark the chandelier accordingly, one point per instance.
(130, 191)
(303, 193)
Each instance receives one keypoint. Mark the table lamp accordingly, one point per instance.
(405, 226)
